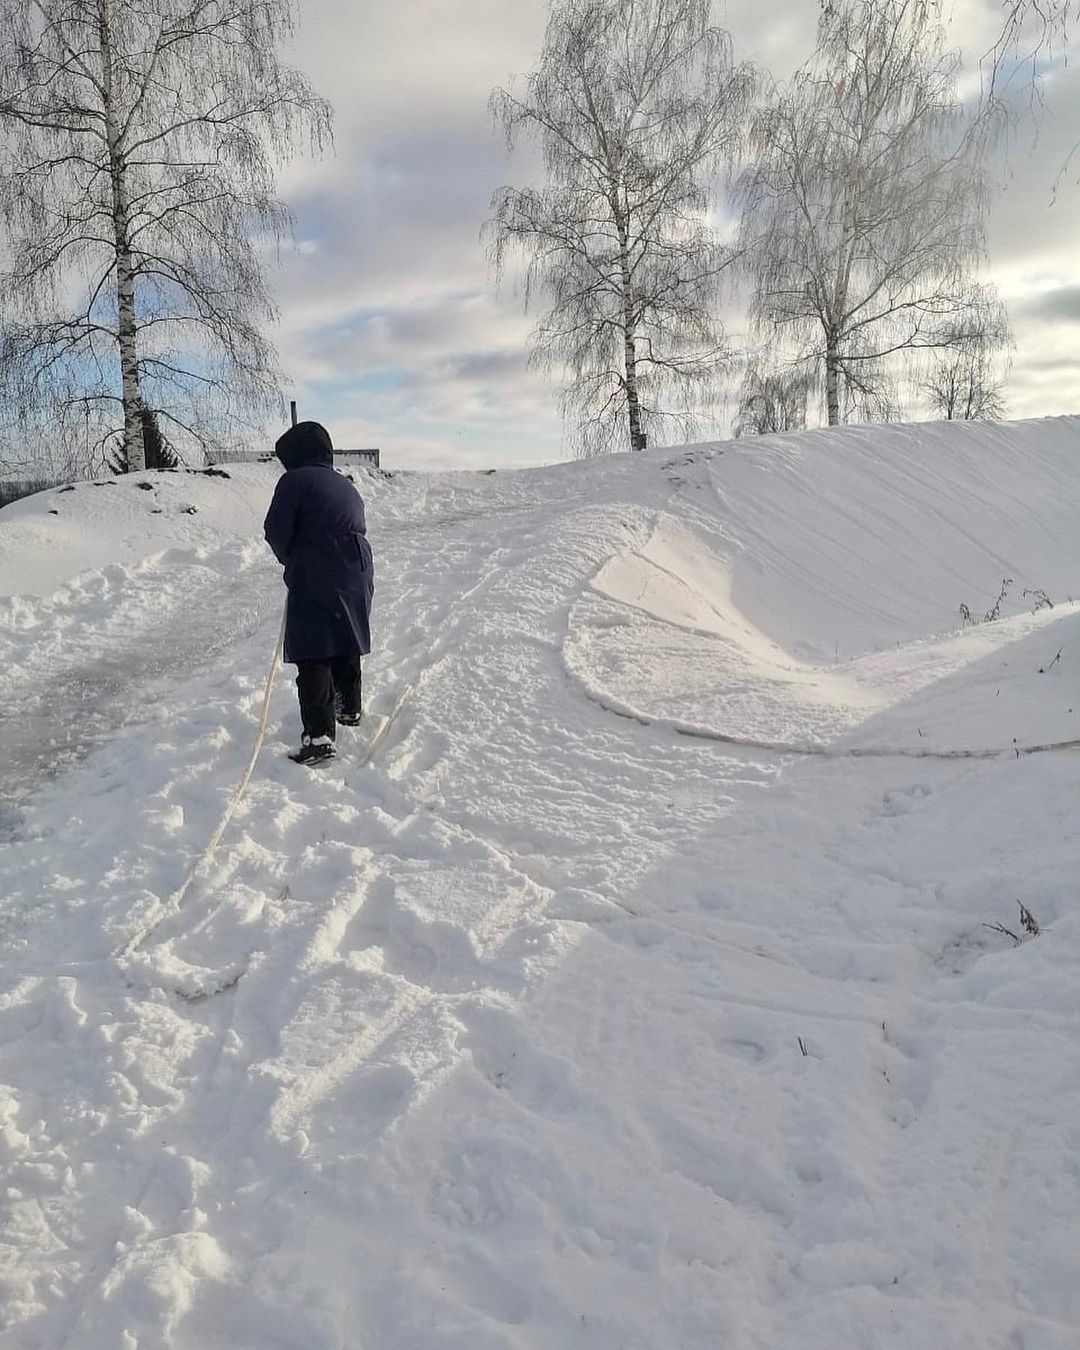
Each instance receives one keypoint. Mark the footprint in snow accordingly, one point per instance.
(902, 801)
(536, 1080)
(422, 754)
(432, 953)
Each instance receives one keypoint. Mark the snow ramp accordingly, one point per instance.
(800, 585)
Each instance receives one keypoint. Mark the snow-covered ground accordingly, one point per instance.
(636, 994)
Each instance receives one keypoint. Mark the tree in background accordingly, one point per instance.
(966, 380)
(864, 210)
(635, 103)
(158, 453)
(964, 384)
(139, 145)
(771, 400)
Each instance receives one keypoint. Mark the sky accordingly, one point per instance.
(393, 329)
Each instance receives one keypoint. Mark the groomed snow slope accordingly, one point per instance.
(636, 995)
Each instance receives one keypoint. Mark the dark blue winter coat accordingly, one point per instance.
(317, 529)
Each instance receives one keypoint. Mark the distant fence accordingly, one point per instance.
(262, 457)
(357, 457)
(238, 456)
(14, 489)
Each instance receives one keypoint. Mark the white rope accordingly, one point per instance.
(388, 723)
(175, 901)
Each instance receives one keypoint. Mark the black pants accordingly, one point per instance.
(319, 683)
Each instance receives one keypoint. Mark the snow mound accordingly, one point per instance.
(532, 1022)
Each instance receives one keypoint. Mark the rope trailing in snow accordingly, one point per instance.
(176, 900)
(389, 721)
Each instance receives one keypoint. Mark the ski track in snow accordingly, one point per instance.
(552, 1028)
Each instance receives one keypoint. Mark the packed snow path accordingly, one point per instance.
(551, 1026)
(116, 647)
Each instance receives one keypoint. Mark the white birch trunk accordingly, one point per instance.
(832, 381)
(633, 403)
(127, 329)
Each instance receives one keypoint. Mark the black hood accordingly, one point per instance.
(305, 443)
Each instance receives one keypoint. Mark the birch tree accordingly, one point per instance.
(634, 104)
(137, 167)
(966, 380)
(963, 386)
(771, 400)
(864, 209)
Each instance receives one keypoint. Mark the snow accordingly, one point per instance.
(636, 994)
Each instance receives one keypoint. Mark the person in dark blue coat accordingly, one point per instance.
(317, 529)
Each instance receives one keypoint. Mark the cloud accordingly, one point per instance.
(1055, 306)
(392, 323)
(1054, 366)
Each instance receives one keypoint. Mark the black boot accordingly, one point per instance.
(348, 690)
(346, 717)
(314, 750)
